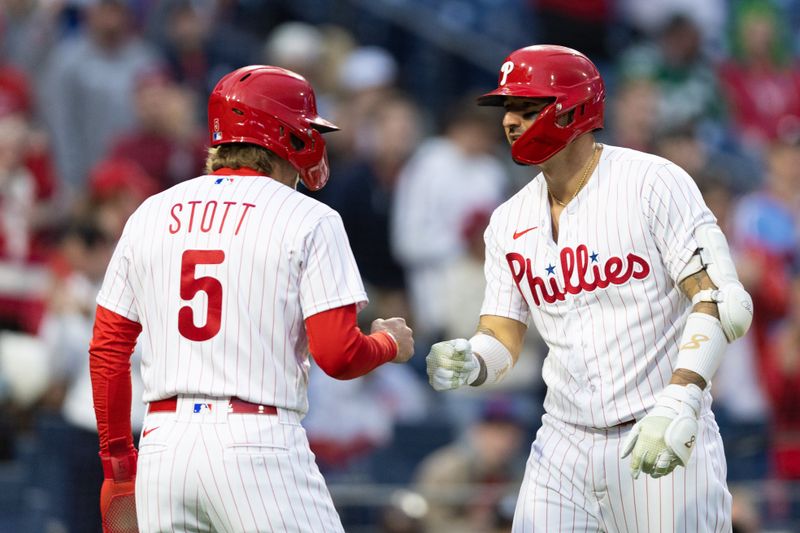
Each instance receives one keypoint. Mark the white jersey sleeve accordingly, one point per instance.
(674, 208)
(330, 276)
(502, 298)
(117, 293)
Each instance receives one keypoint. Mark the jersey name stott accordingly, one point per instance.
(212, 215)
(575, 264)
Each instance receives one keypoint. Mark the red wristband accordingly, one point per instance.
(119, 467)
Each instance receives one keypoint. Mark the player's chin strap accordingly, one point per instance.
(704, 337)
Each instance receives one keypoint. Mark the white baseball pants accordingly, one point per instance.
(575, 481)
(201, 469)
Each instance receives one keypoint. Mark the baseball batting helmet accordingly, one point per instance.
(276, 109)
(561, 74)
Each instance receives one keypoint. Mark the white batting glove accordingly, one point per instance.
(665, 437)
(451, 364)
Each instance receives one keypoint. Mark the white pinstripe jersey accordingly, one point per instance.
(604, 296)
(221, 271)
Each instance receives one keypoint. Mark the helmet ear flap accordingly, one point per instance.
(311, 161)
(533, 147)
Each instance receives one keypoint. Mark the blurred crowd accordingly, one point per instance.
(102, 103)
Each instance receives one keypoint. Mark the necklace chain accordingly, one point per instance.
(586, 172)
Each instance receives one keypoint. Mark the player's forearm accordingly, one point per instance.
(496, 346)
(340, 348)
(692, 285)
(110, 350)
(509, 332)
(695, 283)
(684, 376)
(722, 310)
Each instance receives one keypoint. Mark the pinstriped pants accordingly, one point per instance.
(575, 481)
(210, 471)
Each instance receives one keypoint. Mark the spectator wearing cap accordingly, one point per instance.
(116, 188)
(366, 77)
(463, 287)
(465, 481)
(296, 46)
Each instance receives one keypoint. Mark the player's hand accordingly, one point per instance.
(117, 495)
(665, 437)
(402, 334)
(451, 364)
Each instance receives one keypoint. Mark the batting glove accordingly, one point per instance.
(117, 495)
(665, 437)
(452, 364)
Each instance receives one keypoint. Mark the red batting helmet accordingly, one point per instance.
(561, 74)
(276, 109)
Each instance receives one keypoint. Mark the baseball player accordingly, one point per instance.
(616, 260)
(233, 277)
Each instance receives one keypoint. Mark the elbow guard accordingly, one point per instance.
(734, 304)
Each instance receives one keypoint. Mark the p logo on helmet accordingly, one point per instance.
(565, 77)
(506, 69)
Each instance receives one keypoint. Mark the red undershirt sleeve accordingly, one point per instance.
(110, 352)
(341, 349)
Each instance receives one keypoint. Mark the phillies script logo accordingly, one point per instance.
(576, 267)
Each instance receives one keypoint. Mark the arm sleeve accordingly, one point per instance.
(674, 208)
(116, 294)
(329, 277)
(110, 352)
(341, 349)
(502, 296)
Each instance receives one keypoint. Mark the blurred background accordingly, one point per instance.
(102, 103)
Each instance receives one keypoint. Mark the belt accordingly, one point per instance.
(235, 406)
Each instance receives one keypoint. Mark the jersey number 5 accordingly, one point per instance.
(191, 285)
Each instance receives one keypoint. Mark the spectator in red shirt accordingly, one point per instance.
(166, 141)
(761, 81)
(116, 188)
(781, 366)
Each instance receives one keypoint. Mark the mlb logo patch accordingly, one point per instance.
(202, 407)
(216, 136)
(223, 180)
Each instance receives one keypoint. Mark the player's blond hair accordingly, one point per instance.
(239, 155)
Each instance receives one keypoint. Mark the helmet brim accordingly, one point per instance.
(498, 97)
(322, 125)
